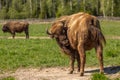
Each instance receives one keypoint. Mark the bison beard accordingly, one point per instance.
(76, 34)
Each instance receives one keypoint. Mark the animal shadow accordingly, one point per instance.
(107, 70)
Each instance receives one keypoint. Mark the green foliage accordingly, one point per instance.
(8, 78)
(44, 11)
(55, 8)
(97, 76)
(3, 13)
(117, 79)
(116, 8)
(63, 11)
(13, 14)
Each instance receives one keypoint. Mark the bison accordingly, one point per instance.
(15, 26)
(77, 33)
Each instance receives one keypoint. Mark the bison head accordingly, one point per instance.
(5, 28)
(57, 29)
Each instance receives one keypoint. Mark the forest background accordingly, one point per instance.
(44, 9)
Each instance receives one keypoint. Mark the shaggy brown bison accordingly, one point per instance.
(14, 26)
(77, 33)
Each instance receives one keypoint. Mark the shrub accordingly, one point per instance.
(8, 78)
(98, 76)
(3, 13)
(13, 14)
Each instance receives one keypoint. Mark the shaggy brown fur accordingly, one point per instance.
(14, 26)
(80, 32)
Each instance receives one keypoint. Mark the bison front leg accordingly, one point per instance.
(99, 51)
(82, 59)
(27, 34)
(71, 55)
(72, 60)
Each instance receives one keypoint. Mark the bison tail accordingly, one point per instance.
(95, 22)
(102, 39)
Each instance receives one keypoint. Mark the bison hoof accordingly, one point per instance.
(81, 74)
(102, 72)
(78, 70)
(70, 72)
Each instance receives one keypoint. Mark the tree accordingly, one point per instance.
(0, 5)
(30, 4)
(43, 9)
(84, 4)
(116, 8)
(55, 8)
(3, 13)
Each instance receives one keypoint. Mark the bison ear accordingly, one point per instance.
(64, 28)
(63, 22)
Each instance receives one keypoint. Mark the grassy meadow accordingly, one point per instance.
(111, 28)
(17, 53)
(34, 30)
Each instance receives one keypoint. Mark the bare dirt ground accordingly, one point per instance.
(22, 37)
(45, 37)
(59, 73)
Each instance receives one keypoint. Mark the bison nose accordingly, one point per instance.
(3, 29)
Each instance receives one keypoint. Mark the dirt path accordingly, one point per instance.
(59, 73)
(45, 37)
(22, 37)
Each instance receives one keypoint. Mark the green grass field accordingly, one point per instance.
(29, 53)
(34, 30)
(109, 28)
(15, 53)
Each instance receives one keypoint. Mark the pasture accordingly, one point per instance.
(38, 53)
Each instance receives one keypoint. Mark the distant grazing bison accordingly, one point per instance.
(77, 33)
(14, 26)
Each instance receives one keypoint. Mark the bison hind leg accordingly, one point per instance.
(99, 51)
(13, 35)
(78, 61)
(27, 34)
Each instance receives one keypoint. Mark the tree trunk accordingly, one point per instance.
(84, 5)
(71, 5)
(78, 5)
(98, 7)
(30, 8)
(103, 8)
(112, 8)
(62, 2)
(0, 5)
(54, 9)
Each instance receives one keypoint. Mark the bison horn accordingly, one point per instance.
(47, 32)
